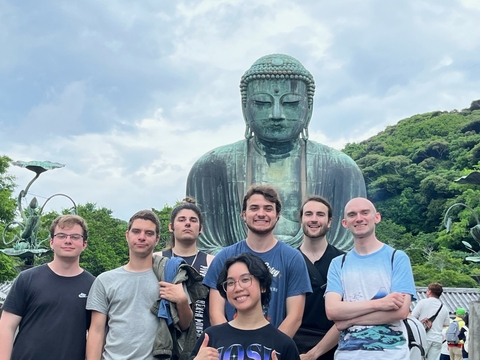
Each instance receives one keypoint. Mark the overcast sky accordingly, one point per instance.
(128, 94)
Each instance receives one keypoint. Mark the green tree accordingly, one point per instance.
(7, 214)
(165, 234)
(409, 170)
(107, 247)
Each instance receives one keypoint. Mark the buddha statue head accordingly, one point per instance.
(277, 99)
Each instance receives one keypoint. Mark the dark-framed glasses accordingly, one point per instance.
(244, 282)
(73, 237)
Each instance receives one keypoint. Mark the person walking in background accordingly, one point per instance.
(317, 336)
(245, 282)
(455, 348)
(46, 303)
(445, 354)
(427, 309)
(186, 225)
(369, 290)
(464, 337)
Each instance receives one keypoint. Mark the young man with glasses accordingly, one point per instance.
(47, 303)
(261, 212)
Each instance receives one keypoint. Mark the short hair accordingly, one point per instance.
(319, 199)
(256, 267)
(68, 221)
(188, 203)
(436, 289)
(267, 191)
(145, 215)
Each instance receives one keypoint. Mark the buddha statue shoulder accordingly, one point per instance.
(277, 102)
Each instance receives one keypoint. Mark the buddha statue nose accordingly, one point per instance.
(277, 111)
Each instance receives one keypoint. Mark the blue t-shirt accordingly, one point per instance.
(368, 277)
(290, 276)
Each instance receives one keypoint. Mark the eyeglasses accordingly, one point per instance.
(73, 237)
(244, 282)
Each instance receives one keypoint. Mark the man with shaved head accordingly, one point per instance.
(369, 291)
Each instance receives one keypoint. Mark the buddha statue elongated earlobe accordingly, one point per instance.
(248, 132)
(305, 133)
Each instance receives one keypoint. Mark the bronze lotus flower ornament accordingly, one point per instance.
(24, 233)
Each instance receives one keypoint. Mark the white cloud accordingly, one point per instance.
(446, 61)
(212, 39)
(102, 167)
(471, 4)
(81, 89)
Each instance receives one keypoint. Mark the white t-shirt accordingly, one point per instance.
(428, 307)
(367, 277)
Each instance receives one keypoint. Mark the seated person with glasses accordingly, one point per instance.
(245, 283)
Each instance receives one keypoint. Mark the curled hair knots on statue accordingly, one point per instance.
(277, 66)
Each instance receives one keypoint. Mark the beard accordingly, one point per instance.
(263, 231)
(321, 233)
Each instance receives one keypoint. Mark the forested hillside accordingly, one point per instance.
(410, 169)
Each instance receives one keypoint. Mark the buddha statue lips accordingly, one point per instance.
(277, 103)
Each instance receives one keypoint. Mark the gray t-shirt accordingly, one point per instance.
(126, 297)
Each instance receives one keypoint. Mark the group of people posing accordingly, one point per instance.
(260, 298)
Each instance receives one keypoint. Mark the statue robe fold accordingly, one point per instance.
(220, 178)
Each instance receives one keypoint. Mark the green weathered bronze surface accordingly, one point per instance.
(277, 102)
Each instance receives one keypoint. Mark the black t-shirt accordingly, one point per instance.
(233, 343)
(54, 320)
(315, 322)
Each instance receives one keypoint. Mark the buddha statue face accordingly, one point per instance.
(277, 110)
(277, 98)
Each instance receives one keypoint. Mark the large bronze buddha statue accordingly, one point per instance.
(277, 103)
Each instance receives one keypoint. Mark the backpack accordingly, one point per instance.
(452, 333)
(417, 338)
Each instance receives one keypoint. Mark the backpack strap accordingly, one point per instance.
(393, 257)
(432, 318)
(411, 338)
(343, 260)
